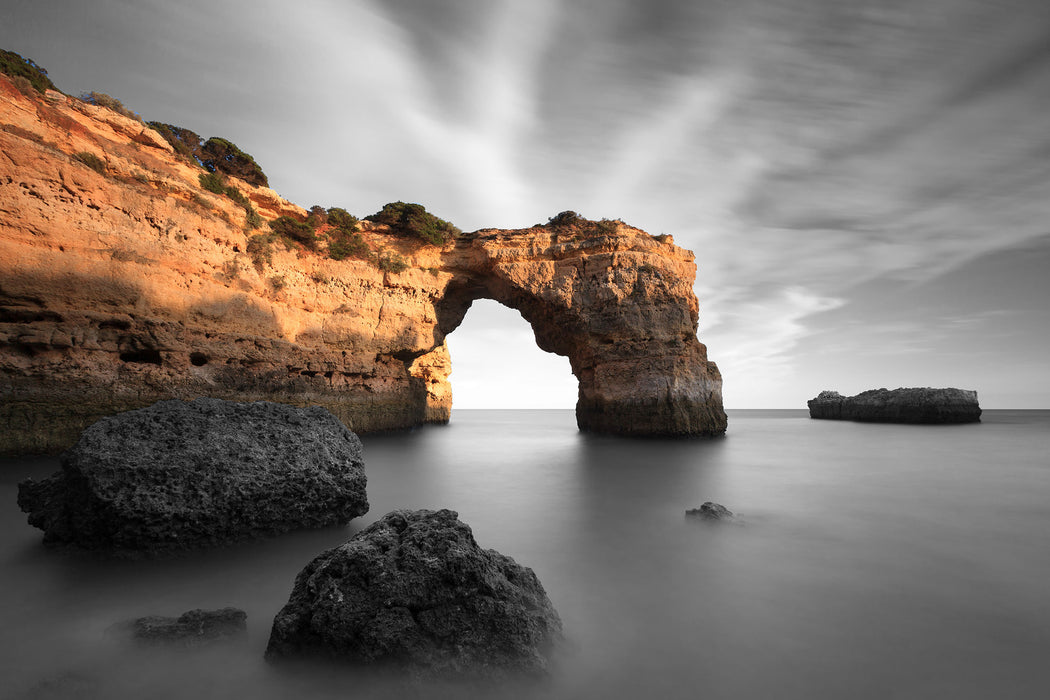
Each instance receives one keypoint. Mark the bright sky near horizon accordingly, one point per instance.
(866, 184)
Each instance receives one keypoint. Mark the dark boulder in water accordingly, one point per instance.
(415, 591)
(917, 405)
(711, 511)
(192, 628)
(183, 474)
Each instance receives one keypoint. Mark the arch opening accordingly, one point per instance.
(498, 364)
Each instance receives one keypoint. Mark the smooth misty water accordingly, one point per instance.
(876, 561)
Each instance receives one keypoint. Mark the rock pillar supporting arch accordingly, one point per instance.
(619, 306)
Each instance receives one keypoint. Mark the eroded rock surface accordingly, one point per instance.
(131, 285)
(914, 405)
(187, 474)
(414, 590)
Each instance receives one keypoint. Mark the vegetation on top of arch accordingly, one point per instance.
(409, 219)
(581, 225)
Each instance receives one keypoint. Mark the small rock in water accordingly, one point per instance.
(711, 511)
(190, 628)
(65, 685)
(416, 592)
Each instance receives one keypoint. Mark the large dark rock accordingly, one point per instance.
(192, 628)
(414, 590)
(185, 474)
(899, 406)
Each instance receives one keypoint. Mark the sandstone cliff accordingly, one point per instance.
(127, 283)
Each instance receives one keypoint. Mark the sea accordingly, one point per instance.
(865, 561)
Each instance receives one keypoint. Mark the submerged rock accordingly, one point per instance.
(64, 685)
(190, 628)
(711, 511)
(415, 590)
(185, 474)
(916, 405)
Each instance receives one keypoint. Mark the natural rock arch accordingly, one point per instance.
(620, 308)
(117, 291)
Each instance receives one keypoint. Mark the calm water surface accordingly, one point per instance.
(875, 561)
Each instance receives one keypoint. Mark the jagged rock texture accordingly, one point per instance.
(414, 590)
(914, 405)
(122, 288)
(180, 475)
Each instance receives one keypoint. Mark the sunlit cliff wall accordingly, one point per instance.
(122, 287)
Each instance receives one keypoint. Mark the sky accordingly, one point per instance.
(865, 183)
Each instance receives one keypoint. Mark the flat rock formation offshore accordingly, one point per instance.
(180, 475)
(916, 405)
(124, 282)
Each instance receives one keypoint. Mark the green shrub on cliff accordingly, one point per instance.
(342, 219)
(260, 250)
(318, 216)
(185, 142)
(215, 182)
(233, 193)
(18, 67)
(218, 154)
(251, 217)
(345, 246)
(389, 261)
(24, 86)
(343, 239)
(582, 226)
(212, 182)
(565, 218)
(92, 161)
(101, 99)
(291, 230)
(413, 220)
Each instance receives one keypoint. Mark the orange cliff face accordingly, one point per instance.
(122, 287)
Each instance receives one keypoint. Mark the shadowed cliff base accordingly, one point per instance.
(131, 275)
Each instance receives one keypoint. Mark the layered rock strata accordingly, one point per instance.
(127, 283)
(914, 405)
(415, 591)
(180, 475)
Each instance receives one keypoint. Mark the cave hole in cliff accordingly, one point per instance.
(149, 356)
(198, 359)
(497, 364)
